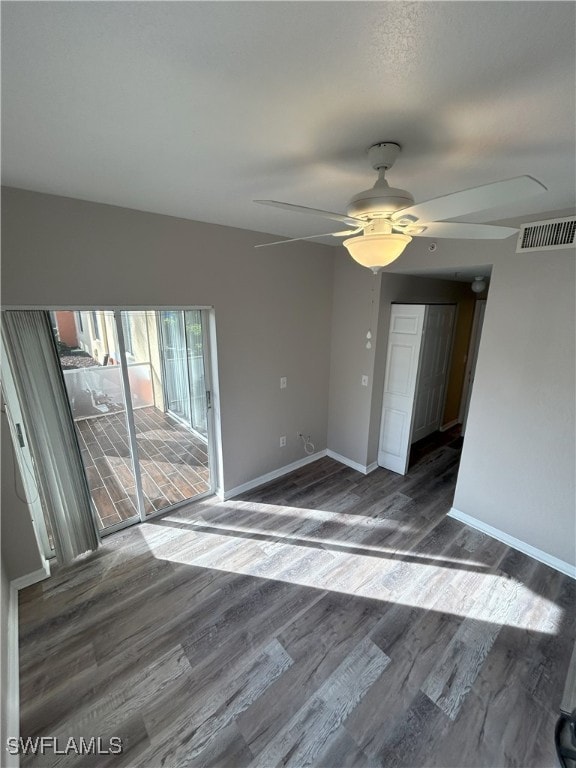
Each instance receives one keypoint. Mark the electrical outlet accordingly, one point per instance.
(364, 381)
(283, 441)
(283, 382)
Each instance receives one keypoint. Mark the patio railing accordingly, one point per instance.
(97, 390)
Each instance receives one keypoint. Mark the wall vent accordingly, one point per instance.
(547, 235)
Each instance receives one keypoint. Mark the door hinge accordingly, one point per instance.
(208, 399)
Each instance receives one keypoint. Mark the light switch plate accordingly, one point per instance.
(283, 382)
(364, 381)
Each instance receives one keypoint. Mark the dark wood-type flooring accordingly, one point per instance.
(173, 463)
(325, 619)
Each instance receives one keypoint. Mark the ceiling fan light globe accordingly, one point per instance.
(377, 250)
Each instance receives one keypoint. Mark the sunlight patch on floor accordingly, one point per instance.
(323, 541)
(307, 522)
(416, 582)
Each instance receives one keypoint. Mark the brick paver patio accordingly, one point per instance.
(173, 462)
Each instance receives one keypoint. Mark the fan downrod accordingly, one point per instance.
(381, 200)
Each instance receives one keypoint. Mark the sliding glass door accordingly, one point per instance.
(137, 385)
(173, 454)
(88, 345)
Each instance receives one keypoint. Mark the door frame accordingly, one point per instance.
(211, 377)
(399, 462)
(471, 360)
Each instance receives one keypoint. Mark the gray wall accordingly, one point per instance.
(273, 311)
(272, 306)
(517, 469)
(353, 313)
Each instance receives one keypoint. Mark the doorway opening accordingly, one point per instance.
(451, 437)
(419, 367)
(417, 364)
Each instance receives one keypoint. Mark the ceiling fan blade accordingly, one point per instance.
(466, 231)
(310, 237)
(313, 211)
(475, 199)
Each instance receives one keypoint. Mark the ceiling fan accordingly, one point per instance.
(382, 220)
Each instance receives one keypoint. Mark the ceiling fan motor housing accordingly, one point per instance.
(379, 201)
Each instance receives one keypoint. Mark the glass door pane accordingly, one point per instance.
(174, 357)
(173, 457)
(89, 355)
(196, 376)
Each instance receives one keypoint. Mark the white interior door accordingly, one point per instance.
(479, 311)
(402, 361)
(433, 370)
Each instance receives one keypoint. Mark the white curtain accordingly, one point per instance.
(51, 435)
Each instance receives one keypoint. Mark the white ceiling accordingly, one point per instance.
(196, 108)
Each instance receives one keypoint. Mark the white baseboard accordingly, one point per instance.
(511, 541)
(11, 694)
(449, 425)
(352, 464)
(32, 578)
(276, 473)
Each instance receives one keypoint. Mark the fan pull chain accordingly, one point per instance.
(369, 333)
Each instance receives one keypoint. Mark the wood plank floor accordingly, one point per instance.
(325, 619)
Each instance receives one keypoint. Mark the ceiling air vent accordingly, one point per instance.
(547, 235)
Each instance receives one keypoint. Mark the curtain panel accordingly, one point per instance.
(50, 431)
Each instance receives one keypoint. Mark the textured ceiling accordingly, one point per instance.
(196, 108)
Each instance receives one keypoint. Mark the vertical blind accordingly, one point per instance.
(50, 430)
